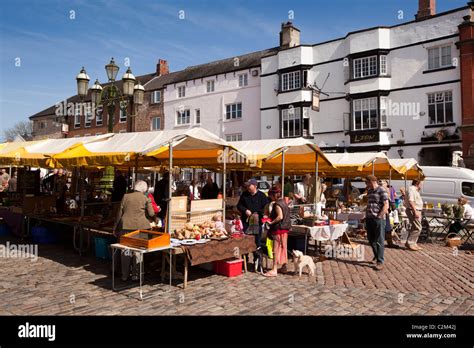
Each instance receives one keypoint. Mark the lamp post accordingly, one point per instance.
(110, 95)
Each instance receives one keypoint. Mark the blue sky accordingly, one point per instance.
(52, 47)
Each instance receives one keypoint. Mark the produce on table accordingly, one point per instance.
(208, 229)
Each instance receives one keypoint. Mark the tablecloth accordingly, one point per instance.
(323, 233)
(13, 220)
(351, 216)
(220, 250)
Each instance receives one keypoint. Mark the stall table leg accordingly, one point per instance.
(185, 284)
(244, 257)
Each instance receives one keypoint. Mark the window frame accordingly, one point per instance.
(295, 118)
(364, 106)
(153, 97)
(153, 123)
(77, 116)
(243, 80)
(99, 120)
(181, 91)
(229, 111)
(210, 83)
(88, 117)
(365, 69)
(122, 119)
(288, 80)
(433, 100)
(439, 57)
(197, 116)
(179, 117)
(383, 65)
(233, 137)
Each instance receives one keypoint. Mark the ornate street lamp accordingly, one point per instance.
(82, 83)
(109, 95)
(138, 94)
(96, 92)
(112, 70)
(128, 82)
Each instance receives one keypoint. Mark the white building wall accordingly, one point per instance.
(212, 105)
(407, 60)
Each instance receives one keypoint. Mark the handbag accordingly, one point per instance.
(254, 226)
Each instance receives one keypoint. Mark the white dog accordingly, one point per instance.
(301, 261)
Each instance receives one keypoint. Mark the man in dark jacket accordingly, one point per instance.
(210, 190)
(252, 201)
(119, 187)
(161, 194)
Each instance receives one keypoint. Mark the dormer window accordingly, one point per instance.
(369, 64)
(365, 67)
(290, 80)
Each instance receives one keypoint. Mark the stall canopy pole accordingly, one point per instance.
(135, 172)
(373, 167)
(81, 185)
(170, 187)
(133, 178)
(283, 172)
(224, 176)
(316, 173)
(390, 177)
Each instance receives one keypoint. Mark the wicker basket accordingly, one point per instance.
(453, 240)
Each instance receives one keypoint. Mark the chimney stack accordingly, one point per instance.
(289, 35)
(162, 67)
(426, 9)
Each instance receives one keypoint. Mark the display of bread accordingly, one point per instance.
(208, 229)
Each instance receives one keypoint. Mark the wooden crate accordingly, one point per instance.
(202, 210)
(179, 214)
(144, 239)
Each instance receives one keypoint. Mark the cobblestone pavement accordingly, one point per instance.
(435, 281)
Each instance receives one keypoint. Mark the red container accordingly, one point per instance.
(228, 268)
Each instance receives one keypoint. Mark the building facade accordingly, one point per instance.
(223, 97)
(405, 89)
(394, 89)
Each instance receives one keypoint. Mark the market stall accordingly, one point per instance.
(198, 228)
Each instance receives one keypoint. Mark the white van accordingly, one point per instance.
(444, 184)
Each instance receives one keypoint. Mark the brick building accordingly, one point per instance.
(150, 115)
(78, 120)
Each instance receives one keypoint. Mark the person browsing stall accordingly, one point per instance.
(377, 208)
(279, 227)
(414, 206)
(135, 213)
(252, 201)
(302, 190)
(210, 190)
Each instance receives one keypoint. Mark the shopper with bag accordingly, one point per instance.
(278, 228)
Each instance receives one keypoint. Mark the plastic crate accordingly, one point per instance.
(42, 235)
(228, 268)
(102, 247)
(4, 229)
